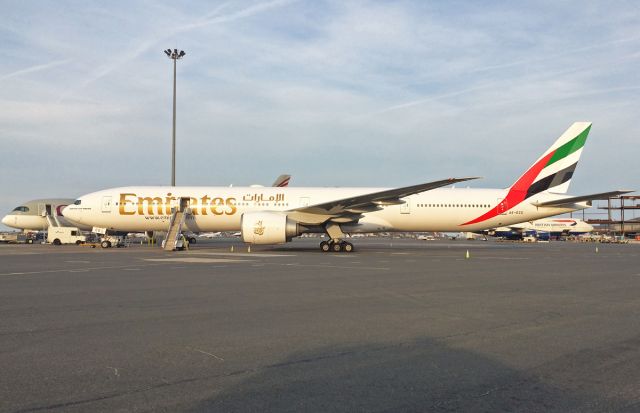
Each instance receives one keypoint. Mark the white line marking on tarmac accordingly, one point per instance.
(115, 371)
(208, 354)
(78, 269)
(335, 266)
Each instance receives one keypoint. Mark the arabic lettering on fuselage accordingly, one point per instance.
(262, 198)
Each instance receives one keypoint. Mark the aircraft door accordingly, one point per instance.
(406, 207)
(503, 206)
(41, 210)
(106, 204)
(184, 203)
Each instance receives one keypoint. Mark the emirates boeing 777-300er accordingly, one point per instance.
(273, 215)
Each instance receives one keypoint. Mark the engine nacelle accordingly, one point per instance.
(267, 228)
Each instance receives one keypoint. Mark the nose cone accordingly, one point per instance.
(72, 214)
(11, 221)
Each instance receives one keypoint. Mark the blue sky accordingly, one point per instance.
(357, 93)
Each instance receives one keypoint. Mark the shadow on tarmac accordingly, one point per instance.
(420, 376)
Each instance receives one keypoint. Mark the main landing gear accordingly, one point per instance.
(336, 246)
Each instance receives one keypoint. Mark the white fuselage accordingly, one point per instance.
(32, 215)
(555, 225)
(134, 209)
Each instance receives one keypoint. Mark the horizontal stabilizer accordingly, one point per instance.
(574, 199)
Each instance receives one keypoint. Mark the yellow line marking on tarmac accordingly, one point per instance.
(194, 260)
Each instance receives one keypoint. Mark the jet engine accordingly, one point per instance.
(268, 228)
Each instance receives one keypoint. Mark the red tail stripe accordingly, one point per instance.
(517, 193)
(284, 183)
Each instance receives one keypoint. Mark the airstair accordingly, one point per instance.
(52, 220)
(175, 230)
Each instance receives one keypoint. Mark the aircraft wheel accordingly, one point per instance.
(347, 247)
(105, 244)
(336, 246)
(56, 242)
(324, 246)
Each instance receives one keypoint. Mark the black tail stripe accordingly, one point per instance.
(551, 181)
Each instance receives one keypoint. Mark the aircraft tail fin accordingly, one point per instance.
(554, 169)
(282, 181)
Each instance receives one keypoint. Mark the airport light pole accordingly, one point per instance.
(174, 55)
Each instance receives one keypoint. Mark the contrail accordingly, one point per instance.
(33, 69)
(248, 12)
(211, 18)
(429, 99)
(492, 84)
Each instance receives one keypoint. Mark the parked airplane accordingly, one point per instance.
(282, 181)
(554, 226)
(275, 215)
(32, 215)
(37, 214)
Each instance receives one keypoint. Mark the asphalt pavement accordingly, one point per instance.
(398, 325)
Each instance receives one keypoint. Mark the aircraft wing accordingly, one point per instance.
(282, 180)
(350, 209)
(574, 199)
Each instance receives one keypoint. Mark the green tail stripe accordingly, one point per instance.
(569, 147)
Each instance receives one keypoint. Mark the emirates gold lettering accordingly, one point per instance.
(193, 203)
(124, 202)
(231, 203)
(167, 203)
(215, 206)
(151, 204)
(155, 206)
(205, 200)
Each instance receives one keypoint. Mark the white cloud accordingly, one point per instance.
(384, 93)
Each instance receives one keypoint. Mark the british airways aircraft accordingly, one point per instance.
(554, 226)
(273, 215)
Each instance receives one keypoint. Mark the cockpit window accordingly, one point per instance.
(77, 202)
(21, 209)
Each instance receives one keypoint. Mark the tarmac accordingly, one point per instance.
(398, 325)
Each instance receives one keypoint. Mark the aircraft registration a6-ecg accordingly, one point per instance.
(272, 215)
